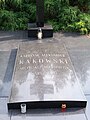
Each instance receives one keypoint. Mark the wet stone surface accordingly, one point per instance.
(3, 66)
(87, 110)
(52, 114)
(43, 72)
(81, 61)
(4, 115)
(7, 60)
(79, 51)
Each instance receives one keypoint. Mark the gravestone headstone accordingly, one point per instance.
(40, 13)
(44, 78)
(47, 30)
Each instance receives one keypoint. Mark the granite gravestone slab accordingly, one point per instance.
(44, 78)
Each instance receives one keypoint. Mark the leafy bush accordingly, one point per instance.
(86, 19)
(67, 15)
(12, 21)
(53, 7)
(82, 26)
(21, 20)
(71, 19)
(30, 10)
(7, 19)
(84, 5)
(2, 4)
(13, 5)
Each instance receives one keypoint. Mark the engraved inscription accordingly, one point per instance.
(28, 61)
(57, 61)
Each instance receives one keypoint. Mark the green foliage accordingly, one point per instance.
(7, 20)
(50, 8)
(84, 5)
(2, 4)
(53, 7)
(55, 25)
(67, 15)
(30, 9)
(21, 20)
(12, 21)
(82, 26)
(71, 19)
(15, 5)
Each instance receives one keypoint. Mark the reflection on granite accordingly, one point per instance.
(3, 66)
(3, 109)
(87, 111)
(81, 61)
(44, 72)
(54, 114)
(7, 60)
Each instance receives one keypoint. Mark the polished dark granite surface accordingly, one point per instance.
(51, 116)
(81, 61)
(7, 59)
(79, 50)
(43, 72)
